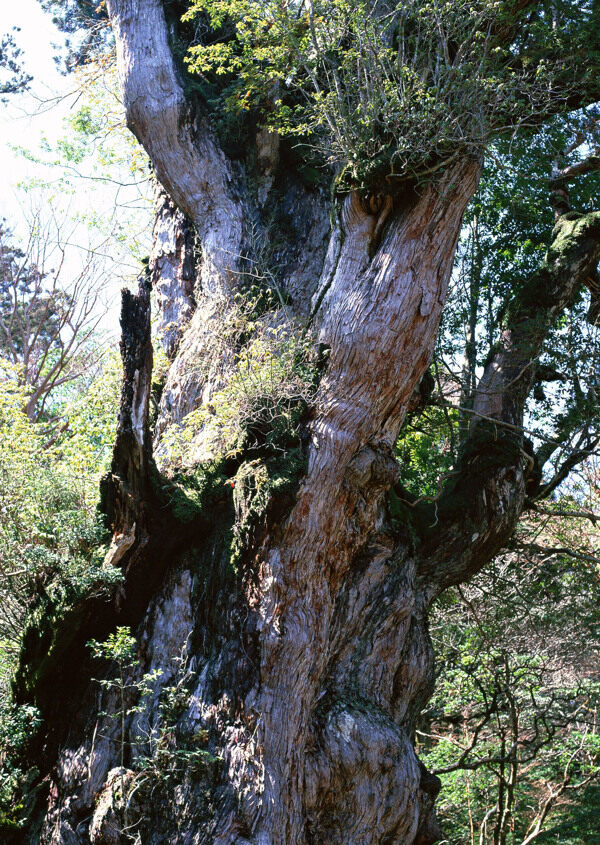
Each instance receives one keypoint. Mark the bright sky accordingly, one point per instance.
(27, 119)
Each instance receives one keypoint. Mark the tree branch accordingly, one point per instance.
(588, 165)
(560, 512)
(183, 150)
(478, 510)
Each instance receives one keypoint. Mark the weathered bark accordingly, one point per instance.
(313, 659)
(126, 487)
(172, 268)
(381, 320)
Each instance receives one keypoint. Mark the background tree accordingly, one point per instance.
(48, 525)
(505, 236)
(48, 322)
(13, 78)
(85, 25)
(512, 728)
(286, 543)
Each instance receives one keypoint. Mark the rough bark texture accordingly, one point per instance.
(126, 486)
(173, 270)
(306, 664)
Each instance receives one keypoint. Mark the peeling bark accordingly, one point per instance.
(381, 319)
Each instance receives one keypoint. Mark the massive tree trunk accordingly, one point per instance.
(308, 662)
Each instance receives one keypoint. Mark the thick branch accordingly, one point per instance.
(478, 511)
(577, 456)
(588, 165)
(183, 151)
(561, 512)
(511, 369)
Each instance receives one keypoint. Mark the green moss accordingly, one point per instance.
(18, 788)
(566, 234)
(251, 494)
(49, 631)
(539, 292)
(193, 493)
(263, 488)
(489, 449)
(53, 622)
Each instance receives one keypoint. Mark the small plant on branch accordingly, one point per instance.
(385, 91)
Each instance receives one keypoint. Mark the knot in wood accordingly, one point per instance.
(374, 203)
(366, 215)
(373, 466)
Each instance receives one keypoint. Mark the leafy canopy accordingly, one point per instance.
(389, 91)
(50, 533)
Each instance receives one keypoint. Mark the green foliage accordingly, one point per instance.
(167, 752)
(120, 649)
(86, 23)
(384, 94)
(49, 316)
(192, 491)
(576, 823)
(513, 719)
(244, 447)
(391, 90)
(262, 402)
(17, 727)
(13, 79)
(508, 228)
(425, 452)
(160, 369)
(89, 411)
(51, 538)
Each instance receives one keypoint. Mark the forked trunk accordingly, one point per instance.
(313, 660)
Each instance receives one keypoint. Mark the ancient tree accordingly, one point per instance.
(309, 231)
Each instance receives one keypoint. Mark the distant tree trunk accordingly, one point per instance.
(469, 369)
(314, 660)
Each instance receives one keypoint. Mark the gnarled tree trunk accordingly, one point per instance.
(308, 664)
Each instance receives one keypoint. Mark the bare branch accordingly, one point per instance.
(588, 165)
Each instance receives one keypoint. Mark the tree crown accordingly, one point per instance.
(389, 91)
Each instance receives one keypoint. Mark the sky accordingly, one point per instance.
(25, 121)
